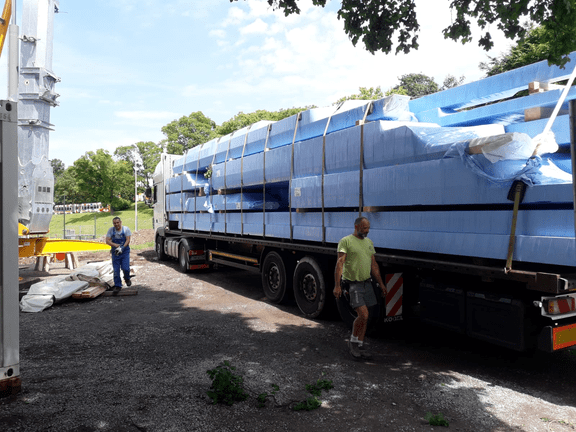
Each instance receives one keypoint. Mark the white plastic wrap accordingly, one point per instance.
(44, 294)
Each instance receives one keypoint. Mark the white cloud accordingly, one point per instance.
(256, 27)
(217, 33)
(146, 115)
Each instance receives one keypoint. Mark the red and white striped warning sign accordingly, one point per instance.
(395, 287)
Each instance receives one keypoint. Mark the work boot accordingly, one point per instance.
(128, 282)
(354, 350)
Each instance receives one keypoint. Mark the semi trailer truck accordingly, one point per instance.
(469, 193)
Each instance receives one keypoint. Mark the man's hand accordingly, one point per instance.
(384, 290)
(337, 291)
(118, 251)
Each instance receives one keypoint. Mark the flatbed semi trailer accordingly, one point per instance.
(470, 234)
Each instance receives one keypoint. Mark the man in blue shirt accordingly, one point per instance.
(118, 237)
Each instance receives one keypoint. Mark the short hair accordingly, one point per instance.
(116, 218)
(359, 220)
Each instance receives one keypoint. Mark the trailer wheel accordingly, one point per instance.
(309, 287)
(183, 257)
(160, 248)
(276, 277)
(348, 314)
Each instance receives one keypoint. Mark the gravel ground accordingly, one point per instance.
(138, 363)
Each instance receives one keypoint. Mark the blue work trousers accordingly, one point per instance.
(121, 262)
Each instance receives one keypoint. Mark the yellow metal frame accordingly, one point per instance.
(5, 22)
(41, 246)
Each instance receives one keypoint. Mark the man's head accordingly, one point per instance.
(117, 223)
(361, 227)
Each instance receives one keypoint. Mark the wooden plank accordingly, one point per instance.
(537, 113)
(539, 87)
(89, 293)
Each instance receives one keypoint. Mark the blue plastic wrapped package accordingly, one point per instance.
(186, 182)
(392, 143)
(449, 182)
(251, 223)
(340, 190)
(276, 199)
(176, 202)
(189, 221)
(506, 158)
(536, 249)
(278, 163)
(178, 165)
(530, 222)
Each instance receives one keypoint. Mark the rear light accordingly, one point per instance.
(560, 305)
(195, 252)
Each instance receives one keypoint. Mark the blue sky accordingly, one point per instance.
(129, 67)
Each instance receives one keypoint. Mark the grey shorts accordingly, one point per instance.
(362, 294)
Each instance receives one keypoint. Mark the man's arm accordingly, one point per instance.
(127, 241)
(338, 274)
(109, 242)
(375, 271)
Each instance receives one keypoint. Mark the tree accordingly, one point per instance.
(104, 180)
(383, 24)
(66, 185)
(144, 156)
(451, 81)
(415, 85)
(150, 157)
(535, 47)
(58, 167)
(188, 131)
(241, 120)
(365, 94)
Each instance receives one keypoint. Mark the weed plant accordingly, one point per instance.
(227, 387)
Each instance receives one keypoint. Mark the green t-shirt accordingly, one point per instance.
(358, 257)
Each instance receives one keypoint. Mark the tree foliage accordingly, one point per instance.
(104, 180)
(58, 167)
(188, 131)
(387, 25)
(241, 119)
(365, 93)
(535, 47)
(66, 188)
(416, 85)
(144, 156)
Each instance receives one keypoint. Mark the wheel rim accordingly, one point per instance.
(309, 288)
(274, 278)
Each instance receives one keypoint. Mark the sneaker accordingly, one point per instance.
(117, 289)
(354, 351)
(363, 349)
(128, 282)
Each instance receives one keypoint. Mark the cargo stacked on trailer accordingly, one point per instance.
(470, 202)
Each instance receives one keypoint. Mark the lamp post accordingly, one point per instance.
(64, 214)
(135, 201)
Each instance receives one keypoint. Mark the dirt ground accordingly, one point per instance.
(139, 363)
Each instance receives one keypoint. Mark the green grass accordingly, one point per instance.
(84, 222)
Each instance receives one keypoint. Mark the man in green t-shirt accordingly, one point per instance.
(355, 264)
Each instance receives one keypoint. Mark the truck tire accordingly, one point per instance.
(160, 248)
(183, 251)
(348, 314)
(309, 287)
(276, 277)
